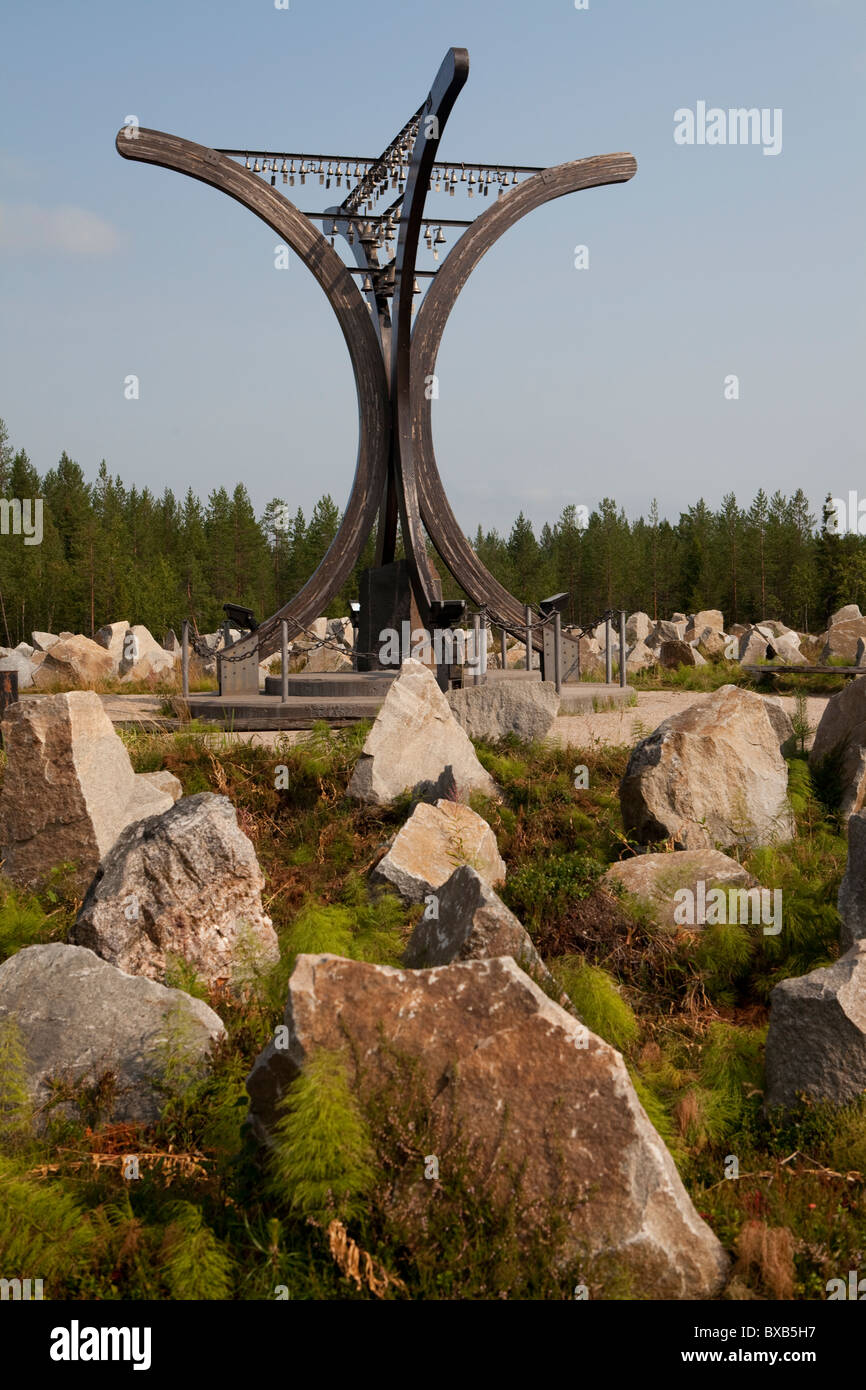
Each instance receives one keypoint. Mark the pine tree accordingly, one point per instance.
(523, 560)
(730, 520)
(756, 532)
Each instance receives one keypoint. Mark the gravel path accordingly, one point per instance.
(630, 725)
(627, 725)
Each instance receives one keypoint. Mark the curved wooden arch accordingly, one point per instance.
(476, 241)
(221, 172)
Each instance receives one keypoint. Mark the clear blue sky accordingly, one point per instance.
(557, 385)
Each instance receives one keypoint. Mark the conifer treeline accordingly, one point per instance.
(109, 552)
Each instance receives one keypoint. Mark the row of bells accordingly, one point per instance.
(476, 179)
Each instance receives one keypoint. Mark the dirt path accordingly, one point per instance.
(625, 726)
(630, 725)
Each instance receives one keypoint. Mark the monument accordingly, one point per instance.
(381, 221)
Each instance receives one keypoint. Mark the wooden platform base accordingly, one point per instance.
(255, 713)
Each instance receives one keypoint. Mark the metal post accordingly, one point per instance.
(476, 654)
(184, 658)
(227, 640)
(608, 660)
(527, 613)
(284, 660)
(482, 663)
(557, 651)
(503, 646)
(622, 651)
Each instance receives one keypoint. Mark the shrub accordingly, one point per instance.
(322, 1163)
(598, 1001)
(22, 923)
(44, 1234)
(197, 1265)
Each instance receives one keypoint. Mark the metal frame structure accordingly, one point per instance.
(396, 476)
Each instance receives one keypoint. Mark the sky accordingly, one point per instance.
(557, 385)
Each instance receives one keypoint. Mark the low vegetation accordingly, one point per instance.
(318, 1216)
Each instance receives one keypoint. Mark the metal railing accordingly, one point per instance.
(533, 622)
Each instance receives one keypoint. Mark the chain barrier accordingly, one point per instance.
(200, 647)
(609, 613)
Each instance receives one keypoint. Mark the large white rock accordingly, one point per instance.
(327, 658)
(312, 636)
(74, 661)
(666, 632)
(14, 660)
(80, 1020)
(416, 745)
(434, 841)
(843, 637)
(712, 774)
(711, 644)
(490, 712)
(840, 744)
(851, 611)
(528, 1089)
(638, 627)
(655, 879)
(851, 901)
(640, 657)
(69, 787)
(111, 637)
(182, 885)
(816, 1040)
(756, 646)
(708, 617)
(142, 656)
(788, 651)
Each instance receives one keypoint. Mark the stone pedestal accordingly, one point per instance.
(387, 602)
(240, 676)
(570, 657)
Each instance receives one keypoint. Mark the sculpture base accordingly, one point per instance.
(387, 602)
